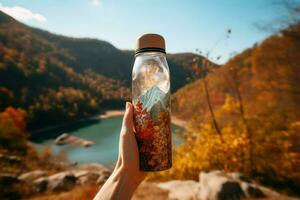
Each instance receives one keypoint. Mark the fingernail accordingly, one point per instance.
(126, 105)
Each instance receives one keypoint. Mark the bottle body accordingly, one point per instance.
(151, 100)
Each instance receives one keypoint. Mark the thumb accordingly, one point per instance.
(128, 117)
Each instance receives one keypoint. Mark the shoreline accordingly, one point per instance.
(111, 113)
(108, 114)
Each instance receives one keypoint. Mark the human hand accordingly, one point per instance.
(127, 175)
(128, 160)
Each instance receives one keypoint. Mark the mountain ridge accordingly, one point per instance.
(113, 62)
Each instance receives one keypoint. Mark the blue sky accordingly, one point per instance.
(186, 25)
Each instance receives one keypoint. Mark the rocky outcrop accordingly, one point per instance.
(57, 182)
(32, 175)
(78, 175)
(61, 181)
(40, 184)
(215, 185)
(66, 138)
(86, 177)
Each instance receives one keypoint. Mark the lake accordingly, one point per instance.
(106, 135)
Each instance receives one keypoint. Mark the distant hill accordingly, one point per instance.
(57, 78)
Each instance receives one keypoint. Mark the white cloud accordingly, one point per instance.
(21, 13)
(95, 2)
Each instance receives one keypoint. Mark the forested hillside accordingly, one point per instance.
(266, 76)
(105, 59)
(35, 76)
(254, 122)
(56, 78)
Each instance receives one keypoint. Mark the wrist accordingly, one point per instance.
(130, 176)
(120, 185)
(126, 183)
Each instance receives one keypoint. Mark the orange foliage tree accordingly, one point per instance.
(12, 130)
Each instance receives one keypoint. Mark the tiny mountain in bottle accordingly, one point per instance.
(151, 100)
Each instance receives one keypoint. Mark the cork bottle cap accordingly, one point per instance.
(150, 42)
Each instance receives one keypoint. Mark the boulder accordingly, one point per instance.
(217, 185)
(40, 184)
(254, 192)
(101, 180)
(238, 177)
(31, 176)
(105, 174)
(81, 174)
(57, 182)
(90, 178)
(181, 190)
(93, 168)
(61, 181)
(86, 177)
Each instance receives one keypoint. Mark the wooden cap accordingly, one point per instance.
(150, 42)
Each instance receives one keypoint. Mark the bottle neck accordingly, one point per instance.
(150, 53)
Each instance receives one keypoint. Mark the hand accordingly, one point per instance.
(127, 175)
(128, 159)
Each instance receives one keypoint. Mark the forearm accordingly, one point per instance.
(120, 185)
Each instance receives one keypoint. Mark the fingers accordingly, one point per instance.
(128, 117)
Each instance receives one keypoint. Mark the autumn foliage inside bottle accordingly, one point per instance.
(151, 100)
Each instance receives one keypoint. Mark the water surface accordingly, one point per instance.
(106, 135)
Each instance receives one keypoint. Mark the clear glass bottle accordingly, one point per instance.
(151, 100)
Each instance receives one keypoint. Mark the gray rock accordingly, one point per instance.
(254, 192)
(238, 177)
(61, 181)
(86, 177)
(79, 173)
(230, 190)
(90, 178)
(105, 174)
(101, 180)
(57, 182)
(31, 176)
(41, 184)
(91, 169)
(217, 185)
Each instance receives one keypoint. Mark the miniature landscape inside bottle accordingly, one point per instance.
(151, 100)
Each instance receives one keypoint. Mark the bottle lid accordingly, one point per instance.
(150, 42)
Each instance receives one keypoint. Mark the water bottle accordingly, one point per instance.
(151, 101)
